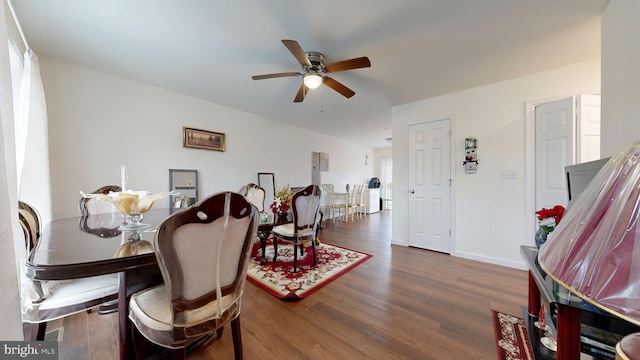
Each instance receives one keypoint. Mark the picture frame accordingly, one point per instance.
(268, 183)
(186, 183)
(203, 139)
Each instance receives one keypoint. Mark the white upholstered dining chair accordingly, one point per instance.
(46, 301)
(305, 206)
(353, 201)
(203, 254)
(330, 204)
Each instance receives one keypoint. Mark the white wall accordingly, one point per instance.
(489, 213)
(620, 76)
(98, 122)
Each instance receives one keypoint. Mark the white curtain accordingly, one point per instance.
(386, 175)
(35, 179)
(10, 317)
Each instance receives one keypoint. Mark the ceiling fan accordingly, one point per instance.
(314, 70)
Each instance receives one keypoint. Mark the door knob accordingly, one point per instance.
(411, 191)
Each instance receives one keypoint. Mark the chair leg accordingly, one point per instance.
(275, 249)
(313, 247)
(42, 329)
(179, 354)
(295, 258)
(139, 342)
(237, 338)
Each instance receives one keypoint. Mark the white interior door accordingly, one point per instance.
(430, 186)
(567, 133)
(555, 144)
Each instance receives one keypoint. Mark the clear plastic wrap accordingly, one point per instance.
(595, 250)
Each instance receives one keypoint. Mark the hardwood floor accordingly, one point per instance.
(403, 303)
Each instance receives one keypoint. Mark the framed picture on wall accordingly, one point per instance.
(203, 139)
(186, 183)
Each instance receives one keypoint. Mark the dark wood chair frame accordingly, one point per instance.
(240, 207)
(32, 231)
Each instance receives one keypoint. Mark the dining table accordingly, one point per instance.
(92, 245)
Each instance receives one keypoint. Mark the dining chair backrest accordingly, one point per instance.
(328, 191)
(355, 195)
(31, 228)
(203, 254)
(306, 208)
(90, 206)
(31, 224)
(362, 200)
(255, 194)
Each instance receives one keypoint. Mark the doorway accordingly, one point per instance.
(557, 133)
(567, 132)
(430, 185)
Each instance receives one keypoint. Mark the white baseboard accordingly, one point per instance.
(491, 260)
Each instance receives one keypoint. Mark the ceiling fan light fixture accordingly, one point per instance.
(312, 80)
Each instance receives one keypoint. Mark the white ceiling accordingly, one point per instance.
(209, 49)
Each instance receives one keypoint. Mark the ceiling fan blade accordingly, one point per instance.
(337, 86)
(357, 63)
(302, 91)
(276, 75)
(297, 51)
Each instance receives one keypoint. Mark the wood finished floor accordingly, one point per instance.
(403, 303)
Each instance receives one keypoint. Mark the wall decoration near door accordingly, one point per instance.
(203, 139)
(186, 183)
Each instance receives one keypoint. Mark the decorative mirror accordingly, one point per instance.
(186, 183)
(268, 183)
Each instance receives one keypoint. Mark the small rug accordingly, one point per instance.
(512, 340)
(279, 280)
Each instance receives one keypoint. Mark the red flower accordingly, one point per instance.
(556, 212)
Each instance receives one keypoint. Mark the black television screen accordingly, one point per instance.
(580, 175)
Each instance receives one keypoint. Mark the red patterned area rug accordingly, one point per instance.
(279, 280)
(512, 340)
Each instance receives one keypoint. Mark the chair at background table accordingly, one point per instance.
(386, 200)
(203, 254)
(51, 300)
(305, 205)
(353, 201)
(330, 203)
(362, 200)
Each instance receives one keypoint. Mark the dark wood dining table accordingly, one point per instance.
(79, 247)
